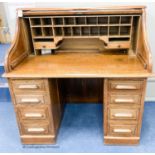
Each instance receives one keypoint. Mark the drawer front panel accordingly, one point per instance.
(124, 99)
(122, 130)
(35, 128)
(28, 85)
(31, 99)
(115, 45)
(31, 113)
(43, 45)
(123, 114)
(125, 85)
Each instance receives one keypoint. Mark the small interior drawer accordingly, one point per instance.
(125, 85)
(31, 99)
(43, 45)
(124, 99)
(123, 114)
(28, 85)
(118, 45)
(35, 128)
(31, 113)
(122, 130)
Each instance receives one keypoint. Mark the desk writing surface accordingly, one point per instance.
(77, 64)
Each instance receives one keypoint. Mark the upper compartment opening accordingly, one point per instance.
(114, 31)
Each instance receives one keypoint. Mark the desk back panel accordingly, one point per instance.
(82, 90)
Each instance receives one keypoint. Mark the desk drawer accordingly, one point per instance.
(28, 85)
(33, 113)
(122, 130)
(116, 85)
(123, 114)
(35, 128)
(124, 99)
(43, 45)
(31, 99)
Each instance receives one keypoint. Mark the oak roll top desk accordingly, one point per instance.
(62, 56)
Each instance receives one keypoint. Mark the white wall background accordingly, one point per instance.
(10, 10)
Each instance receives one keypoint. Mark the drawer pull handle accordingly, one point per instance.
(35, 129)
(120, 100)
(122, 130)
(128, 115)
(44, 46)
(27, 86)
(37, 115)
(125, 87)
(33, 100)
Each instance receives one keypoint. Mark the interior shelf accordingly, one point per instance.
(82, 25)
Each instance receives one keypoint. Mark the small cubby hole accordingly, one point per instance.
(37, 31)
(91, 20)
(94, 31)
(119, 39)
(114, 20)
(103, 30)
(76, 31)
(43, 40)
(58, 31)
(102, 20)
(46, 21)
(58, 21)
(67, 31)
(114, 30)
(35, 21)
(126, 19)
(80, 20)
(47, 31)
(85, 31)
(69, 21)
(125, 30)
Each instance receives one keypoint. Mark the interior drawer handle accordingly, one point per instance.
(121, 100)
(43, 46)
(125, 87)
(35, 129)
(128, 115)
(32, 100)
(37, 115)
(122, 130)
(27, 86)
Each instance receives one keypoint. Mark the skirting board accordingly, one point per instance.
(149, 99)
(150, 91)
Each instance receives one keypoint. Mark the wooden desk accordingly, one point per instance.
(94, 55)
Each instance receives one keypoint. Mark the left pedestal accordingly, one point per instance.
(38, 110)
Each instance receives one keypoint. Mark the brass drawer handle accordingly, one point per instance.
(120, 100)
(32, 100)
(127, 115)
(35, 129)
(122, 130)
(125, 87)
(27, 87)
(37, 115)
